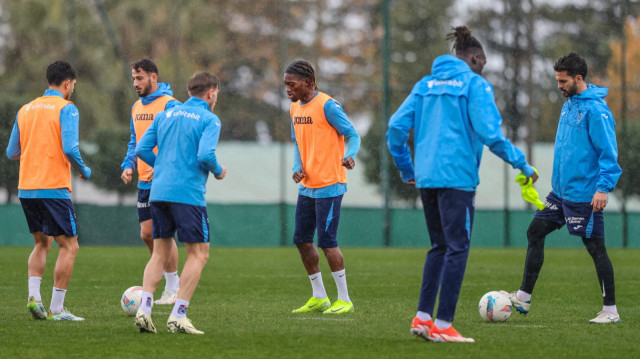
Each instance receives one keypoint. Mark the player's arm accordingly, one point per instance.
(69, 122)
(298, 171)
(129, 163)
(13, 148)
(144, 149)
(207, 149)
(603, 137)
(338, 119)
(400, 123)
(486, 121)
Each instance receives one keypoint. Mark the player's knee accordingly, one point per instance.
(204, 256)
(44, 246)
(146, 235)
(533, 234)
(538, 230)
(71, 247)
(595, 246)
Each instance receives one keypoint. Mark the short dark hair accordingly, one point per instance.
(463, 40)
(59, 71)
(201, 82)
(147, 65)
(573, 64)
(303, 69)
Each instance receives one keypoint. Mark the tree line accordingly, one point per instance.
(248, 44)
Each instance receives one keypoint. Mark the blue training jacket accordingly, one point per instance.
(585, 154)
(186, 136)
(453, 114)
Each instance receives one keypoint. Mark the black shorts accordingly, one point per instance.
(320, 215)
(191, 222)
(579, 217)
(144, 209)
(51, 216)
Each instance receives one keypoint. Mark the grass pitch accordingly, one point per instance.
(246, 295)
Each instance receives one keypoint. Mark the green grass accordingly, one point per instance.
(245, 296)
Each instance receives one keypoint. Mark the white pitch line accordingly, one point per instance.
(343, 319)
(527, 326)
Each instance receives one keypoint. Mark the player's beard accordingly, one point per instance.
(571, 90)
(146, 91)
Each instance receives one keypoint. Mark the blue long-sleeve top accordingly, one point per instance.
(453, 115)
(186, 136)
(338, 119)
(130, 160)
(585, 153)
(69, 121)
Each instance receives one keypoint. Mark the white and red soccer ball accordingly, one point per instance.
(130, 301)
(495, 306)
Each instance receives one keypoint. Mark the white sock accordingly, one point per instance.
(341, 282)
(423, 316)
(317, 286)
(57, 300)
(180, 309)
(610, 308)
(173, 281)
(146, 302)
(34, 288)
(523, 296)
(442, 324)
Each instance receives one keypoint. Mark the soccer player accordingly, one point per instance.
(186, 137)
(155, 97)
(585, 170)
(319, 126)
(453, 115)
(45, 139)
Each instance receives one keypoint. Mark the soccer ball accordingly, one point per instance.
(130, 301)
(495, 306)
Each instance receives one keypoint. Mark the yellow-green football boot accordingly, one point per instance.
(314, 305)
(340, 307)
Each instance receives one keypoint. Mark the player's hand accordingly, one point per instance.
(599, 201)
(349, 163)
(411, 181)
(223, 174)
(126, 175)
(534, 177)
(298, 176)
(150, 172)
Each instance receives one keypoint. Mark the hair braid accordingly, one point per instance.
(463, 41)
(303, 69)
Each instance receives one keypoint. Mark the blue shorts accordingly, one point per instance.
(144, 209)
(322, 214)
(191, 222)
(579, 217)
(51, 216)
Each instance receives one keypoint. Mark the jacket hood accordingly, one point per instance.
(593, 92)
(163, 89)
(448, 66)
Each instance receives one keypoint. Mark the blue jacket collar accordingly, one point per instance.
(448, 66)
(593, 92)
(197, 102)
(52, 92)
(163, 89)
